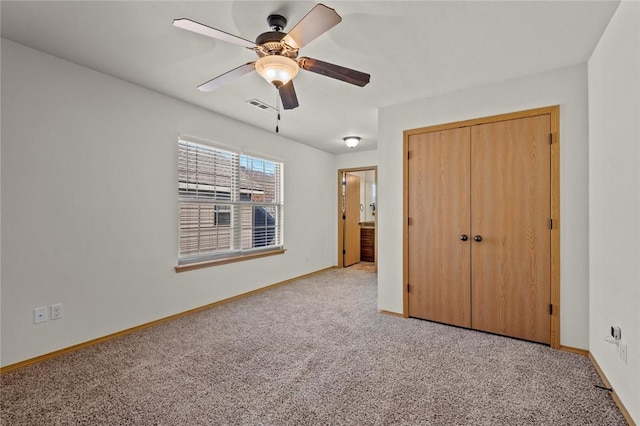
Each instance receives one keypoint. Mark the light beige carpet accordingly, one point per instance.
(314, 352)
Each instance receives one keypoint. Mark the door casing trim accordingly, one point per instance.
(340, 262)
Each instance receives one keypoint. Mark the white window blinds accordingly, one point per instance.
(230, 204)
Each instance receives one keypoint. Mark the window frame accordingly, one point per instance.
(245, 242)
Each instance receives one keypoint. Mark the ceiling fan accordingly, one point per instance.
(278, 61)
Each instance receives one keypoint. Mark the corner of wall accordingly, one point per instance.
(614, 202)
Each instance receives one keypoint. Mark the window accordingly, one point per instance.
(230, 204)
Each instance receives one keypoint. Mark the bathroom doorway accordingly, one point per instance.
(357, 210)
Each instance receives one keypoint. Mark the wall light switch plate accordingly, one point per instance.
(623, 352)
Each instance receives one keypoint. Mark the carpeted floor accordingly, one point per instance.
(314, 352)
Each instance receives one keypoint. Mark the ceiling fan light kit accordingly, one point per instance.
(277, 70)
(278, 61)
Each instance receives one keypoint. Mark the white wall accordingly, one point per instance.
(352, 160)
(0, 219)
(89, 205)
(565, 87)
(614, 201)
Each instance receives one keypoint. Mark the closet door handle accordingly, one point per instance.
(464, 237)
(478, 238)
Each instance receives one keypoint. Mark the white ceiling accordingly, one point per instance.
(412, 50)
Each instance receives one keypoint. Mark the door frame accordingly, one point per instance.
(554, 113)
(340, 263)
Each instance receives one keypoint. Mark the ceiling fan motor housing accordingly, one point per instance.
(276, 22)
(271, 44)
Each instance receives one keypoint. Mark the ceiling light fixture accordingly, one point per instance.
(351, 141)
(276, 69)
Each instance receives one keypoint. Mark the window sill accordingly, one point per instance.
(218, 262)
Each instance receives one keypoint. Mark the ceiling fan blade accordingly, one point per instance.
(319, 20)
(335, 71)
(288, 95)
(221, 80)
(196, 27)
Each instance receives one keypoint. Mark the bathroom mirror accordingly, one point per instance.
(367, 195)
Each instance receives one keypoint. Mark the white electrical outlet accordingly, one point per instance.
(40, 315)
(56, 311)
(623, 352)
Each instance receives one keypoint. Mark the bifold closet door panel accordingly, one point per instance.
(438, 210)
(511, 208)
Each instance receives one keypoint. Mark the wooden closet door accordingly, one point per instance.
(438, 210)
(511, 208)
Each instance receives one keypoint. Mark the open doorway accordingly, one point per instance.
(357, 210)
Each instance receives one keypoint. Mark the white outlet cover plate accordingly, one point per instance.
(40, 315)
(56, 311)
(623, 352)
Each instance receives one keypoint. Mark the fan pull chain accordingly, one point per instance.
(277, 110)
